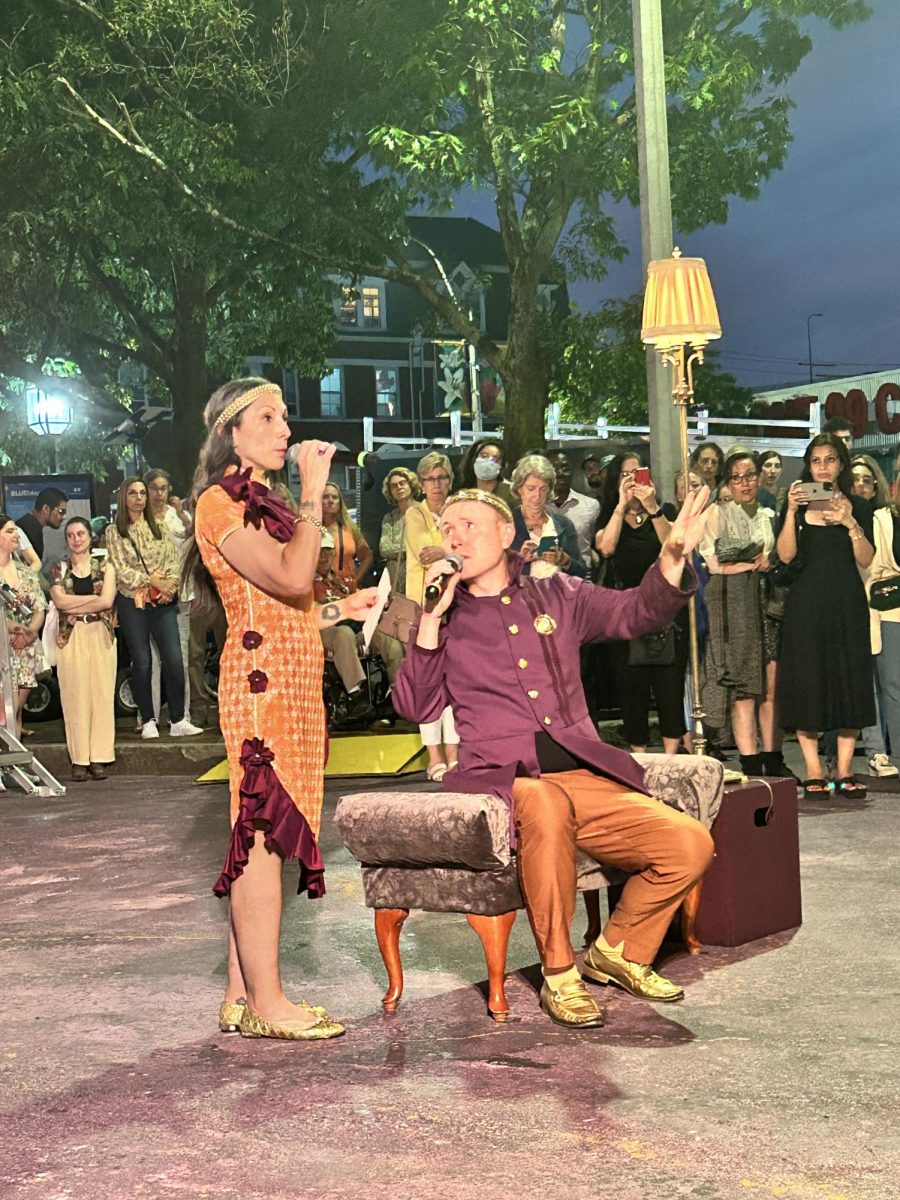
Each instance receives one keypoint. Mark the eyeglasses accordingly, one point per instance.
(62, 510)
(868, 480)
(436, 479)
(747, 477)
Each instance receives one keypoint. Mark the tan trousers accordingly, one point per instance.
(340, 641)
(666, 850)
(86, 670)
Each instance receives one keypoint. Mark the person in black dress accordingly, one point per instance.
(825, 681)
(630, 531)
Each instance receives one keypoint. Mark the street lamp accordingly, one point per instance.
(809, 343)
(680, 318)
(48, 414)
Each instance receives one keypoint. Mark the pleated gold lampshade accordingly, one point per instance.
(679, 305)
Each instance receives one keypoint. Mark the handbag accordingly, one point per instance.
(656, 649)
(735, 550)
(400, 613)
(884, 596)
(150, 594)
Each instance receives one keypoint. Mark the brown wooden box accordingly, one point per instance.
(752, 888)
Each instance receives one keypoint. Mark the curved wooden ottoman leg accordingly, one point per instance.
(388, 923)
(690, 906)
(595, 922)
(494, 932)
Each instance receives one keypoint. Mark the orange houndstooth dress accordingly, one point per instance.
(270, 691)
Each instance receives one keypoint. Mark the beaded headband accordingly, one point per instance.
(236, 406)
(477, 495)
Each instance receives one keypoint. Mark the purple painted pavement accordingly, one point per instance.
(776, 1077)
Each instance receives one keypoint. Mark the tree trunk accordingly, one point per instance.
(191, 390)
(526, 374)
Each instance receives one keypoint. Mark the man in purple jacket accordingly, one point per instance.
(503, 650)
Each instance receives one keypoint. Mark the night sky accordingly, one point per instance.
(824, 236)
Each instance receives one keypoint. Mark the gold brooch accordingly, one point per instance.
(544, 624)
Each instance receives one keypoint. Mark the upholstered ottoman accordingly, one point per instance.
(442, 851)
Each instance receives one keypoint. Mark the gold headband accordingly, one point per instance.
(477, 495)
(236, 406)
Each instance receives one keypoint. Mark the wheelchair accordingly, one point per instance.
(341, 713)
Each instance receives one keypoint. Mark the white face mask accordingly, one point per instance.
(486, 468)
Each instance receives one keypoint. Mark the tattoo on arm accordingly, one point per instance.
(305, 505)
(331, 612)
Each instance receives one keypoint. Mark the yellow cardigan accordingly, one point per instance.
(420, 530)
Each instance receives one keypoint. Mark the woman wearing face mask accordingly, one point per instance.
(825, 675)
(83, 588)
(482, 468)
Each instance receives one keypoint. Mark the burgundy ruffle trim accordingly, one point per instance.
(261, 505)
(287, 831)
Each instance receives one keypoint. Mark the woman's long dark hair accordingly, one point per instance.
(122, 518)
(845, 478)
(467, 475)
(609, 497)
(217, 454)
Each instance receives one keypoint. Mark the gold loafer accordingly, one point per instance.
(571, 1005)
(230, 1013)
(254, 1026)
(638, 979)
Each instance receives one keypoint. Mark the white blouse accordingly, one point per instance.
(730, 520)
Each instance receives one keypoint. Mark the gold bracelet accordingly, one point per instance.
(311, 520)
(854, 537)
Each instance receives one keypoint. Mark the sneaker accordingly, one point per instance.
(149, 730)
(184, 728)
(882, 767)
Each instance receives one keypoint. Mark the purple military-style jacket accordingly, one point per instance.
(510, 667)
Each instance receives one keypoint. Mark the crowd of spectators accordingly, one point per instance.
(789, 641)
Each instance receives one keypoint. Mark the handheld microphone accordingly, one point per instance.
(293, 453)
(437, 587)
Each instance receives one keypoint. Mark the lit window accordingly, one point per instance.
(387, 392)
(370, 301)
(331, 394)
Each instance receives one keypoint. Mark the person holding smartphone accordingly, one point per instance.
(825, 673)
(546, 540)
(631, 530)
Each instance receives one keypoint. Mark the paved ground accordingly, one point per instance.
(777, 1077)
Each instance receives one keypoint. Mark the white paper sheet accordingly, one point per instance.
(371, 622)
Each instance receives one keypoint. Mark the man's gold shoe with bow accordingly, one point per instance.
(637, 978)
(254, 1026)
(571, 1004)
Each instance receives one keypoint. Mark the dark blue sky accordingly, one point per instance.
(824, 235)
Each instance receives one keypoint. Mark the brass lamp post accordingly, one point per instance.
(680, 318)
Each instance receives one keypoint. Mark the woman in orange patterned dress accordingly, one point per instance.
(262, 558)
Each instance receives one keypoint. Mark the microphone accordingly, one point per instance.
(436, 589)
(293, 453)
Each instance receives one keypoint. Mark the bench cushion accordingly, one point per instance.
(453, 829)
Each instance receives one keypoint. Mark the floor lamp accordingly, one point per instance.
(679, 320)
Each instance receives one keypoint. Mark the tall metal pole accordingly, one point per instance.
(656, 221)
(809, 343)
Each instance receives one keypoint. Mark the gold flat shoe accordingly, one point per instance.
(638, 979)
(571, 1005)
(230, 1013)
(254, 1026)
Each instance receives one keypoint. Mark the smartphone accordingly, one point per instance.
(546, 544)
(642, 475)
(818, 495)
(99, 552)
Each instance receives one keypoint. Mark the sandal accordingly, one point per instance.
(815, 789)
(436, 772)
(850, 788)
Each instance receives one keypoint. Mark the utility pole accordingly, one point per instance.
(656, 222)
